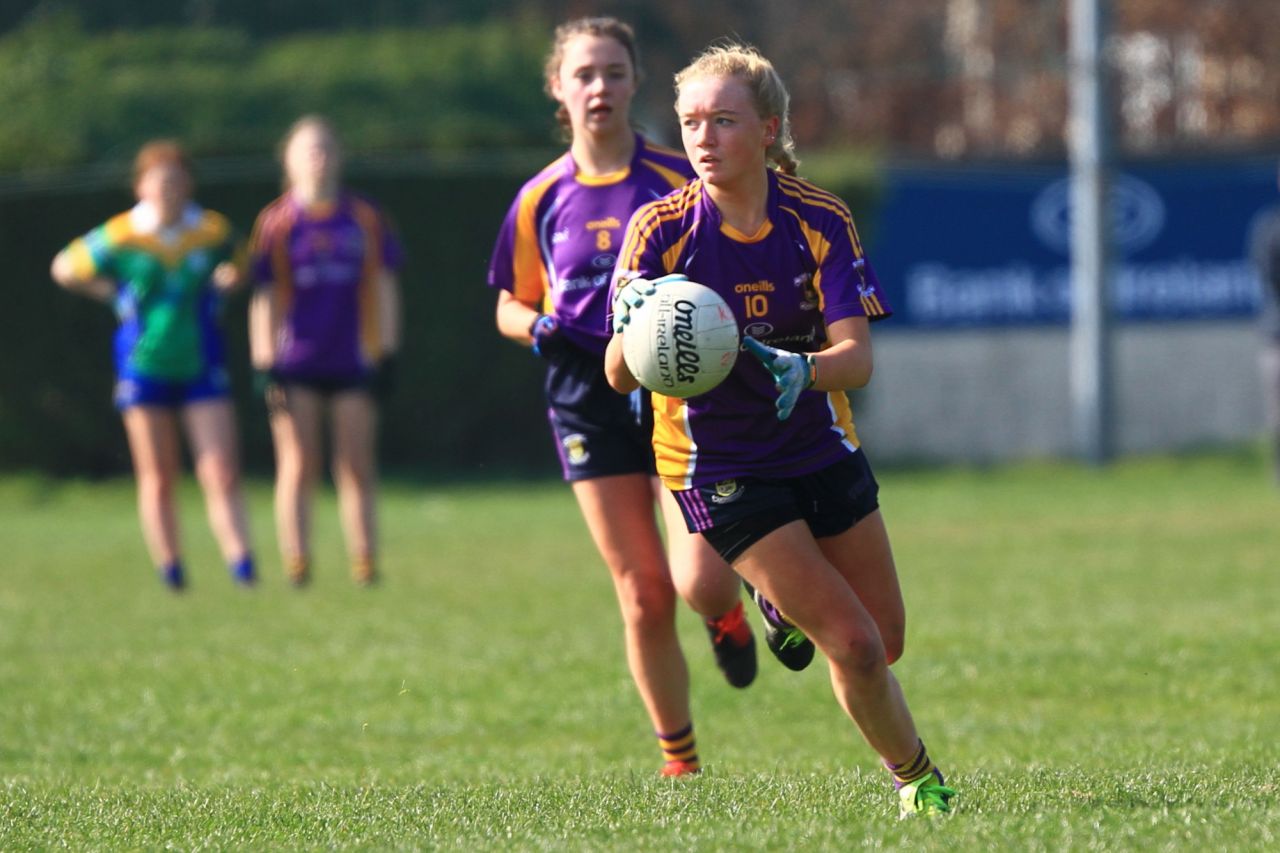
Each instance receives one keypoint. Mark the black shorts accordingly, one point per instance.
(325, 386)
(733, 515)
(598, 432)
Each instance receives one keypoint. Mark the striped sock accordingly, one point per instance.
(909, 771)
(298, 570)
(363, 571)
(680, 747)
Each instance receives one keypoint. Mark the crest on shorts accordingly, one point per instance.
(575, 449)
(727, 491)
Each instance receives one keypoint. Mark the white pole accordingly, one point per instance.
(1090, 236)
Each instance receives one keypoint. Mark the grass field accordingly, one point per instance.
(1092, 656)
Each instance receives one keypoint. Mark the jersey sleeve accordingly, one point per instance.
(502, 260)
(846, 283)
(516, 265)
(641, 256)
(261, 250)
(93, 254)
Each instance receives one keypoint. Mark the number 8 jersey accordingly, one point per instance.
(560, 239)
(803, 270)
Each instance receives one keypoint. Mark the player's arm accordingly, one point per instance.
(847, 363)
(516, 318)
(517, 272)
(389, 312)
(232, 273)
(77, 276)
(636, 275)
(615, 367)
(262, 329)
(629, 291)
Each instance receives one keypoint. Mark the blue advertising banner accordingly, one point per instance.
(984, 247)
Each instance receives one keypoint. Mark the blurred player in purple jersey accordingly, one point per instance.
(551, 266)
(324, 328)
(164, 265)
(767, 465)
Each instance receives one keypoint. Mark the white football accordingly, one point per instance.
(682, 340)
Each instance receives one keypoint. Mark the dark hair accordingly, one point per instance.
(603, 27)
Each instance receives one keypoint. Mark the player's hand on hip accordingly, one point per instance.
(632, 295)
(792, 372)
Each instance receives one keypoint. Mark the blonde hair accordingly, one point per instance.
(310, 121)
(768, 92)
(601, 27)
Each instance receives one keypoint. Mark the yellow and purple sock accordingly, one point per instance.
(298, 570)
(916, 767)
(680, 747)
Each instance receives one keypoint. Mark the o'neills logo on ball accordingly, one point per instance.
(674, 348)
(686, 347)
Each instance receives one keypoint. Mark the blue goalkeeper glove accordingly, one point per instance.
(792, 372)
(632, 295)
(545, 331)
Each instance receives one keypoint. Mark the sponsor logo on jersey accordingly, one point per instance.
(584, 282)
(727, 491)
(575, 449)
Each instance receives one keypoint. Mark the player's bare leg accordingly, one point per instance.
(211, 432)
(713, 589)
(792, 571)
(619, 513)
(296, 433)
(862, 554)
(820, 586)
(355, 473)
(153, 445)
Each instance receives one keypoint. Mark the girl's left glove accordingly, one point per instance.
(792, 372)
(545, 331)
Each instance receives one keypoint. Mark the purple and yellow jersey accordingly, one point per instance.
(803, 270)
(560, 238)
(322, 264)
(168, 309)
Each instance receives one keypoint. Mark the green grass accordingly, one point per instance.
(1091, 656)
